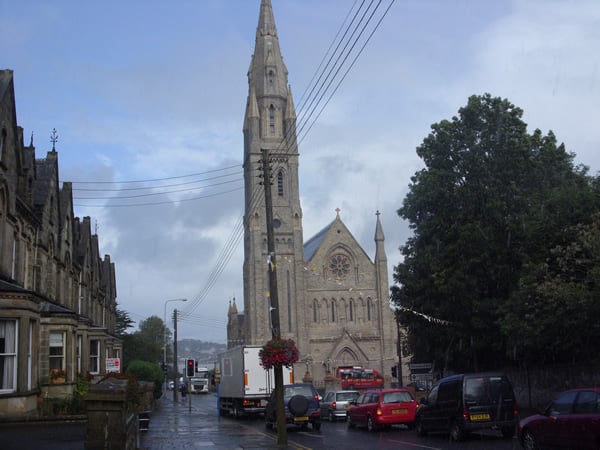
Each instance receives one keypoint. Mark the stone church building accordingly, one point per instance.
(333, 298)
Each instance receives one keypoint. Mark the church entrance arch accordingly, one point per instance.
(346, 358)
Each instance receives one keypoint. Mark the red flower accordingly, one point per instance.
(278, 352)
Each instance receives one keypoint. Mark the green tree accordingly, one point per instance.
(123, 322)
(490, 199)
(146, 344)
(552, 317)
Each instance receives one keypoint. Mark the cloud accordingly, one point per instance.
(164, 96)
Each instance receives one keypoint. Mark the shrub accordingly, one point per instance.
(146, 371)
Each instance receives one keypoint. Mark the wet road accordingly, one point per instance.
(176, 426)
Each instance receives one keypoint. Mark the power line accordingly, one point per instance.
(166, 202)
(237, 233)
(157, 179)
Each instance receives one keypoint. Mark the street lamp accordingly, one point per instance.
(165, 334)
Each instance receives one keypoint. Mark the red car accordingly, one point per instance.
(572, 420)
(383, 408)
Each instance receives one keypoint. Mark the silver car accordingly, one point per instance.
(335, 404)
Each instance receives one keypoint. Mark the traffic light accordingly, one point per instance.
(395, 371)
(190, 367)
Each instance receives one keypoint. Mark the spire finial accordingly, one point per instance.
(54, 139)
(337, 212)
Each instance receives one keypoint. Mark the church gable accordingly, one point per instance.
(335, 255)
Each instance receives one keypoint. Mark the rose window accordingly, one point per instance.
(339, 265)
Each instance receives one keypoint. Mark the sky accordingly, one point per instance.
(149, 94)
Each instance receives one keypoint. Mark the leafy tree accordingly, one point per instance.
(146, 344)
(553, 315)
(123, 322)
(490, 199)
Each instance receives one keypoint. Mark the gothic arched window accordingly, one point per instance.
(332, 310)
(2, 143)
(351, 310)
(369, 306)
(315, 311)
(271, 78)
(280, 183)
(272, 119)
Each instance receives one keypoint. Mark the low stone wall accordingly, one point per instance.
(112, 418)
(535, 387)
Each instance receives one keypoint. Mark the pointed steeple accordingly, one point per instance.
(380, 255)
(290, 110)
(267, 71)
(266, 20)
(378, 229)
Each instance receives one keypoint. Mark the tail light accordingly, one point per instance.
(515, 409)
(316, 397)
(379, 412)
(465, 413)
(334, 405)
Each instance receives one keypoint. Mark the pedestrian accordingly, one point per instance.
(183, 389)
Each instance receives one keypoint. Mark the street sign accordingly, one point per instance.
(420, 366)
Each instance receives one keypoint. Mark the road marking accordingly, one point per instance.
(415, 445)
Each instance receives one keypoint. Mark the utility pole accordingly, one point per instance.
(274, 299)
(399, 350)
(175, 383)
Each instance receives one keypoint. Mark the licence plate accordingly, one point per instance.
(301, 419)
(475, 417)
(400, 411)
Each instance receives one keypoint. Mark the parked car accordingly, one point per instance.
(383, 408)
(301, 403)
(335, 404)
(571, 420)
(463, 403)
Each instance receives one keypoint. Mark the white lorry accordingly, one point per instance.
(244, 385)
(199, 383)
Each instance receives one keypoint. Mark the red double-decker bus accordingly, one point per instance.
(359, 378)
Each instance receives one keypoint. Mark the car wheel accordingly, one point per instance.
(508, 432)
(350, 423)
(529, 441)
(370, 424)
(456, 432)
(421, 431)
(331, 416)
(298, 405)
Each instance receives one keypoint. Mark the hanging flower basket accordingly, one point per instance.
(278, 353)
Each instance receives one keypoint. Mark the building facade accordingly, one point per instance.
(333, 299)
(57, 294)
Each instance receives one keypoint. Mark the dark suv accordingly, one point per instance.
(301, 403)
(463, 403)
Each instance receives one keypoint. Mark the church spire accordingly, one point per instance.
(267, 72)
(379, 239)
(266, 21)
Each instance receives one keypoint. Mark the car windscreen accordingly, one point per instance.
(290, 391)
(346, 396)
(396, 397)
(489, 389)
